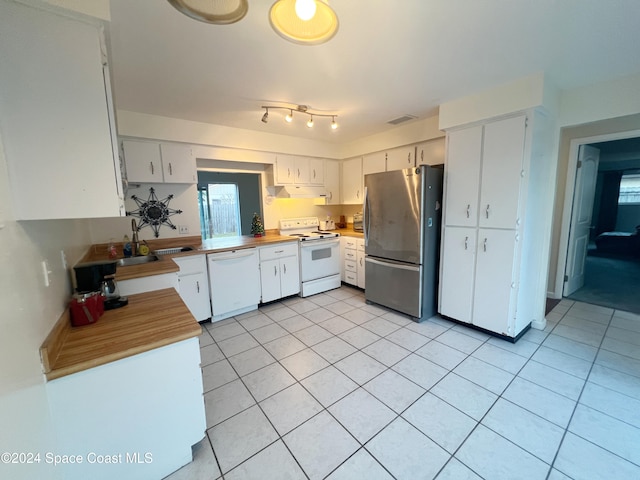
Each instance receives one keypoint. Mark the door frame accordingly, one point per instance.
(569, 194)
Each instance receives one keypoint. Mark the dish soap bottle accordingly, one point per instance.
(111, 249)
(126, 246)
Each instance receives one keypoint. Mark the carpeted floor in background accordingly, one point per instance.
(611, 282)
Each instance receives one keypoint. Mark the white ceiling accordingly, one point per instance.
(389, 58)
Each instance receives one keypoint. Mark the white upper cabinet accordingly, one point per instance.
(352, 185)
(332, 182)
(374, 163)
(431, 152)
(298, 170)
(399, 158)
(502, 159)
(152, 162)
(178, 163)
(56, 116)
(462, 177)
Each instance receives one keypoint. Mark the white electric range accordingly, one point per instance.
(319, 254)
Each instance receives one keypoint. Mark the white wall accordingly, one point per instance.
(28, 311)
(185, 199)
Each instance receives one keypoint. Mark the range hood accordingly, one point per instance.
(300, 191)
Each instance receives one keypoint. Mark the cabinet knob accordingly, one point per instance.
(468, 210)
(198, 286)
(284, 268)
(170, 169)
(314, 173)
(152, 170)
(409, 157)
(487, 210)
(275, 271)
(466, 243)
(484, 245)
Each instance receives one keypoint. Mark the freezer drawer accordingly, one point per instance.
(394, 285)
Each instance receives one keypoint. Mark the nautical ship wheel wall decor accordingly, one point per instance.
(153, 212)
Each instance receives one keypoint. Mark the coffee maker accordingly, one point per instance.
(100, 277)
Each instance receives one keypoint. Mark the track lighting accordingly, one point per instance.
(300, 109)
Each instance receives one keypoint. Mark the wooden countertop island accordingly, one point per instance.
(150, 320)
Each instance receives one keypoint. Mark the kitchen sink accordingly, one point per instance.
(124, 262)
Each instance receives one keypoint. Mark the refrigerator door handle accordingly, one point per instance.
(400, 265)
(366, 215)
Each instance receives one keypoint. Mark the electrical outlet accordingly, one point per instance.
(183, 230)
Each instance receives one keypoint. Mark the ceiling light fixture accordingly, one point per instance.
(306, 22)
(300, 109)
(219, 12)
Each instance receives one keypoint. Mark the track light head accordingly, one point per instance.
(334, 125)
(265, 117)
(289, 116)
(310, 122)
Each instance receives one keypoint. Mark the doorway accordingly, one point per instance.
(603, 250)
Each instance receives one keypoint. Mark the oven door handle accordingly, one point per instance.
(320, 243)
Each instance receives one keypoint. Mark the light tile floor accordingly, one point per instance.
(331, 387)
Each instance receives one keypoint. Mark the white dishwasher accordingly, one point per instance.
(234, 280)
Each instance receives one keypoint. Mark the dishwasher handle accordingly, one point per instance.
(215, 257)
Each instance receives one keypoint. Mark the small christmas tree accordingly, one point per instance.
(257, 228)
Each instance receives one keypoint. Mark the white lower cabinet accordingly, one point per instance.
(279, 271)
(353, 261)
(193, 285)
(127, 408)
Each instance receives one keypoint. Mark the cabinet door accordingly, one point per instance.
(143, 161)
(332, 182)
(360, 256)
(285, 170)
(457, 273)
(431, 152)
(495, 285)
(399, 158)
(316, 171)
(270, 280)
(289, 276)
(56, 116)
(194, 291)
(374, 163)
(502, 163)
(178, 164)
(462, 177)
(301, 171)
(352, 193)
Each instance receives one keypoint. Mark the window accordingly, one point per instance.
(219, 206)
(630, 189)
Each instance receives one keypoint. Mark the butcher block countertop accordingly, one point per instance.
(150, 320)
(166, 263)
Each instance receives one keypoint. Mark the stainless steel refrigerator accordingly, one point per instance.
(401, 219)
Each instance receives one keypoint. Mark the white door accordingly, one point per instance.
(584, 193)
(178, 164)
(495, 287)
(194, 291)
(270, 280)
(289, 276)
(462, 177)
(457, 275)
(502, 157)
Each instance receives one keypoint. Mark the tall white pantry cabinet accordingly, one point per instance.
(498, 181)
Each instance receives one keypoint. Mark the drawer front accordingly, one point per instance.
(350, 243)
(278, 251)
(351, 278)
(350, 266)
(350, 255)
(360, 245)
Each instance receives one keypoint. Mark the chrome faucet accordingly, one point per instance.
(135, 243)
